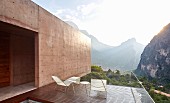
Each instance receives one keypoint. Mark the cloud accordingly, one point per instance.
(66, 14)
(80, 15)
(87, 9)
(58, 12)
(81, 12)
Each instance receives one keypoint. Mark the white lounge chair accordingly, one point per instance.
(98, 85)
(74, 79)
(65, 83)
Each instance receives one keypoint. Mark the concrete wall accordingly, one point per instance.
(59, 49)
(23, 13)
(63, 50)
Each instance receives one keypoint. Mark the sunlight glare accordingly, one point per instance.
(130, 18)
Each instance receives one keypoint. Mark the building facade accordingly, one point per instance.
(34, 45)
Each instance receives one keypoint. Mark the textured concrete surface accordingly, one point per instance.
(24, 13)
(63, 50)
(59, 49)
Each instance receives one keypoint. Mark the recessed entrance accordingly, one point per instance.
(17, 55)
(4, 61)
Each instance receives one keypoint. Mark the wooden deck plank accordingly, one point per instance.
(49, 94)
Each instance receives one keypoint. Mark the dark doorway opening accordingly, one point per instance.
(17, 55)
(4, 60)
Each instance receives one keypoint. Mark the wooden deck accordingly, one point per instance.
(49, 94)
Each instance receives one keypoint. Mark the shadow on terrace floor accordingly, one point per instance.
(48, 94)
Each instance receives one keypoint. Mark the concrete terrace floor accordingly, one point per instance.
(115, 94)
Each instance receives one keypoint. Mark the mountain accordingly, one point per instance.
(72, 24)
(97, 48)
(123, 57)
(96, 45)
(155, 59)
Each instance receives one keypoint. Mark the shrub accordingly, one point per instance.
(96, 69)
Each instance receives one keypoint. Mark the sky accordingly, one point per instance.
(113, 21)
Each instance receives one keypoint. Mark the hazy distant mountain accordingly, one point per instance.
(123, 57)
(72, 24)
(96, 45)
(155, 59)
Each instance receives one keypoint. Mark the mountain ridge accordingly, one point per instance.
(126, 56)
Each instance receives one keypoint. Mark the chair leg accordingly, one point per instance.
(73, 88)
(89, 92)
(86, 90)
(106, 94)
(61, 88)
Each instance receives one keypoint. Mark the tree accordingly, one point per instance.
(109, 74)
(117, 72)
